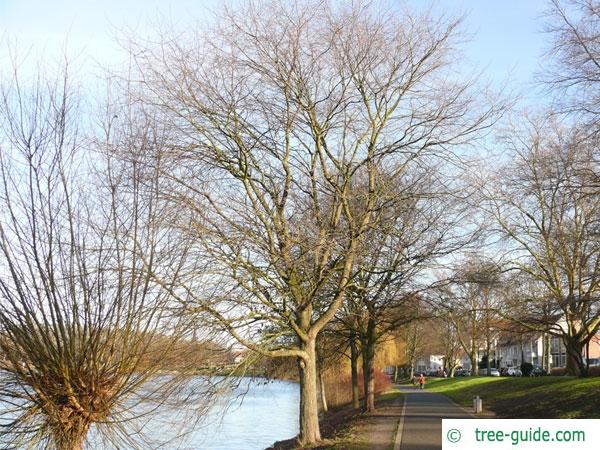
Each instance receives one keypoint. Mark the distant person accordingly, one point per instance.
(422, 382)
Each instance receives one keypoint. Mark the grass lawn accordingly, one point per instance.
(541, 397)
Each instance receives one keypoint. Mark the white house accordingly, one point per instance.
(427, 363)
(512, 350)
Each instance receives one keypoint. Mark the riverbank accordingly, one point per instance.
(526, 397)
(345, 428)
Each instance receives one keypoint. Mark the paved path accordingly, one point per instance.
(380, 427)
(411, 422)
(422, 427)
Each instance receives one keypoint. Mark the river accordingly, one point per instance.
(251, 417)
(265, 413)
(258, 413)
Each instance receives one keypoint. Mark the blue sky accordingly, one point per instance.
(42, 27)
(506, 39)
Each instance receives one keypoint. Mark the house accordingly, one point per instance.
(464, 361)
(510, 348)
(513, 349)
(427, 363)
(435, 363)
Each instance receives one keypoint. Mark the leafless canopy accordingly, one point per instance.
(421, 220)
(573, 64)
(471, 304)
(283, 108)
(547, 210)
(84, 332)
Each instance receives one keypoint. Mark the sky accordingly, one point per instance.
(506, 41)
(88, 27)
(506, 38)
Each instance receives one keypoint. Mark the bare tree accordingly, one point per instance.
(472, 308)
(547, 213)
(450, 344)
(283, 108)
(84, 332)
(419, 225)
(466, 322)
(429, 336)
(572, 69)
(413, 336)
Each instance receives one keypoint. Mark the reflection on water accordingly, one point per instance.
(264, 414)
(256, 414)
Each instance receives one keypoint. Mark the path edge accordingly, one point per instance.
(470, 413)
(400, 428)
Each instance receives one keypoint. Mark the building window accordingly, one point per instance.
(558, 352)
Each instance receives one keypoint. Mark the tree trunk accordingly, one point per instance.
(309, 409)
(354, 369)
(368, 354)
(411, 352)
(474, 366)
(473, 354)
(575, 363)
(546, 352)
(70, 439)
(369, 383)
(75, 445)
(587, 357)
(322, 391)
(451, 374)
(522, 353)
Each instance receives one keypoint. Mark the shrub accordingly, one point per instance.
(526, 368)
(338, 389)
(594, 371)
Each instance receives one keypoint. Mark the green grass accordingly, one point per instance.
(389, 396)
(542, 397)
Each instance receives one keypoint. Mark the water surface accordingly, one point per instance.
(263, 414)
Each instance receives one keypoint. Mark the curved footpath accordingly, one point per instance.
(420, 426)
(412, 421)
